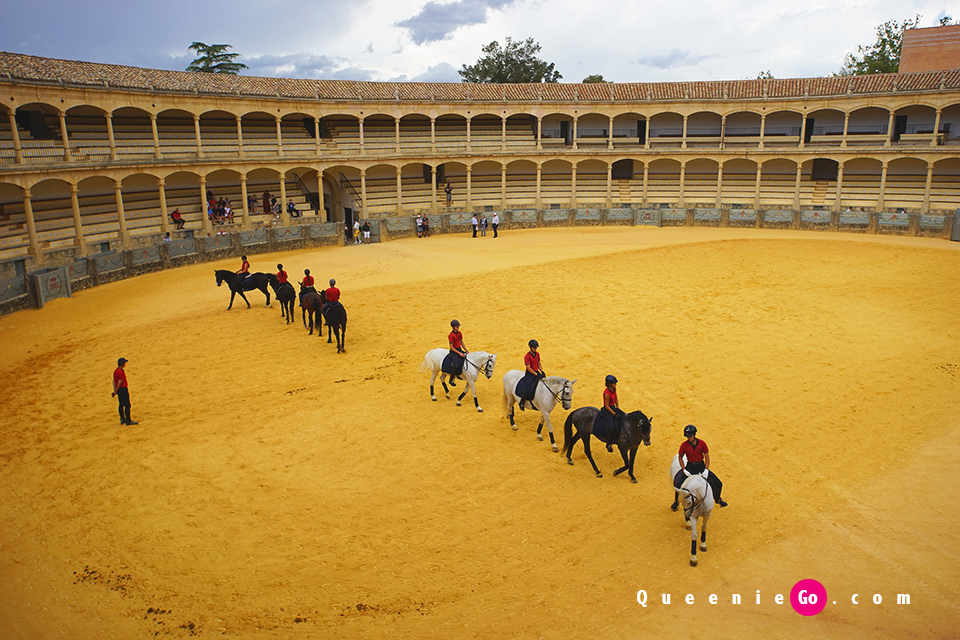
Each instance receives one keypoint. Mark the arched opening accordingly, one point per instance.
(379, 134)
(738, 187)
(700, 183)
(556, 130)
(592, 182)
(824, 127)
(486, 184)
(224, 192)
(868, 126)
(381, 186)
(342, 131)
(593, 130)
(451, 133)
(218, 134)
(521, 132)
(663, 183)
(98, 212)
(945, 186)
(87, 131)
(703, 129)
(742, 128)
(259, 134)
(860, 188)
(521, 184)
(905, 185)
(629, 130)
(778, 184)
(38, 125)
(14, 241)
(555, 187)
(782, 128)
(415, 133)
(298, 133)
(913, 125)
(304, 192)
(666, 129)
(486, 132)
(133, 133)
(176, 133)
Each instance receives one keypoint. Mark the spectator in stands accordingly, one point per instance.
(483, 225)
(228, 211)
(366, 231)
(475, 224)
(177, 219)
(266, 202)
(167, 237)
(292, 209)
(419, 226)
(449, 191)
(252, 203)
(496, 223)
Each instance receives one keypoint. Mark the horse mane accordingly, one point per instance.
(555, 379)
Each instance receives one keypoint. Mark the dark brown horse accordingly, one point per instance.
(286, 294)
(311, 303)
(255, 281)
(636, 428)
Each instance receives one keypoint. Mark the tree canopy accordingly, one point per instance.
(515, 62)
(596, 78)
(213, 58)
(883, 56)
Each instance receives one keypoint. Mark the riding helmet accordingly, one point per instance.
(533, 343)
(610, 380)
(306, 272)
(454, 323)
(689, 430)
(280, 266)
(243, 257)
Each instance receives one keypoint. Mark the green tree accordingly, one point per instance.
(883, 56)
(213, 58)
(516, 62)
(595, 79)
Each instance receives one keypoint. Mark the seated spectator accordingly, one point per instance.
(292, 210)
(167, 237)
(228, 211)
(252, 204)
(177, 219)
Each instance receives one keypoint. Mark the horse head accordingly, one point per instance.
(644, 425)
(220, 277)
(693, 494)
(488, 367)
(566, 394)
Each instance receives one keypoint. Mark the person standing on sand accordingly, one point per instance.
(121, 392)
(496, 223)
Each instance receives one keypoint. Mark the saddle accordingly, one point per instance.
(524, 388)
(452, 364)
(602, 425)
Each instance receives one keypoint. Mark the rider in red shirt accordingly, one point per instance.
(458, 350)
(306, 285)
(697, 461)
(281, 275)
(532, 374)
(332, 294)
(244, 271)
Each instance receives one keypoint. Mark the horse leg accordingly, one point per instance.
(244, 299)
(573, 441)
(676, 501)
(586, 449)
(433, 376)
(303, 314)
(267, 293)
(342, 338)
(330, 334)
(446, 390)
(510, 415)
(693, 542)
(703, 532)
(233, 294)
(553, 443)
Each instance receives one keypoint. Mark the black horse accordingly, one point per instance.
(336, 317)
(286, 294)
(636, 428)
(255, 281)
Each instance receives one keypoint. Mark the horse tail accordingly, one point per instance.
(567, 435)
(424, 366)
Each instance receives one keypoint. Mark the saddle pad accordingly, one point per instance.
(451, 365)
(600, 429)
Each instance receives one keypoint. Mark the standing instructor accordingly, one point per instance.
(121, 391)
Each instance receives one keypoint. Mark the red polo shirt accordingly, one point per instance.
(308, 281)
(333, 294)
(612, 395)
(456, 340)
(533, 360)
(694, 453)
(119, 376)
(281, 276)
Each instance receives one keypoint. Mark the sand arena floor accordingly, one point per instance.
(275, 489)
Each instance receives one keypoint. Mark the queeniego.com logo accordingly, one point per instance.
(807, 597)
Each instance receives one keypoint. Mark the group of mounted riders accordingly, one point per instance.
(694, 455)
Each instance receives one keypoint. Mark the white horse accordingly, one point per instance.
(550, 390)
(476, 362)
(696, 496)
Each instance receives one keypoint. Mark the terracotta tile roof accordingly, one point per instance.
(33, 69)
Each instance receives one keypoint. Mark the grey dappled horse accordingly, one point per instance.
(636, 429)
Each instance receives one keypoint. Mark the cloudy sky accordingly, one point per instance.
(416, 40)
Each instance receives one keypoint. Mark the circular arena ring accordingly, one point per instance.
(276, 489)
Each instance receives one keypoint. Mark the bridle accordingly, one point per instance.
(483, 369)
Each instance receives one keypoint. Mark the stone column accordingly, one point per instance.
(609, 184)
(683, 138)
(838, 199)
(362, 149)
(723, 129)
(433, 189)
(18, 152)
(316, 129)
(284, 216)
(763, 126)
(756, 187)
(936, 129)
(926, 190)
(575, 119)
(846, 123)
(469, 193)
(573, 186)
(162, 192)
(240, 150)
(207, 225)
(65, 138)
(397, 134)
(719, 185)
(610, 134)
(539, 200)
(196, 132)
(539, 133)
(399, 191)
(121, 215)
(156, 136)
(77, 220)
(245, 220)
(803, 130)
(646, 169)
(110, 137)
(503, 187)
(889, 140)
(31, 226)
(322, 211)
(433, 135)
(363, 193)
(503, 133)
(468, 134)
(796, 190)
(883, 187)
(683, 172)
(279, 138)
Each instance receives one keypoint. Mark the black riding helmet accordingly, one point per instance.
(280, 266)
(610, 380)
(454, 323)
(306, 272)
(533, 343)
(689, 430)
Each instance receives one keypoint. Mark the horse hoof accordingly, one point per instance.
(434, 398)
(448, 396)
(556, 449)
(479, 410)
(569, 462)
(703, 547)
(616, 473)
(599, 475)
(674, 506)
(633, 480)
(687, 524)
(693, 562)
(514, 427)
(458, 404)
(539, 437)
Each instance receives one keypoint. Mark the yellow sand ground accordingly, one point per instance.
(275, 489)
